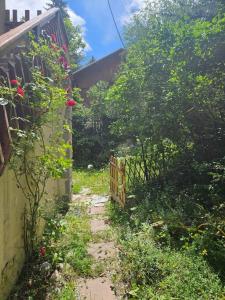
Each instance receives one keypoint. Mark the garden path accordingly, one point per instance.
(100, 288)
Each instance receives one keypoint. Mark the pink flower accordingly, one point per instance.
(14, 82)
(42, 251)
(65, 48)
(53, 37)
(65, 65)
(71, 103)
(20, 91)
(62, 59)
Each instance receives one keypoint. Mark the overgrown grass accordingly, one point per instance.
(71, 246)
(53, 274)
(152, 271)
(96, 180)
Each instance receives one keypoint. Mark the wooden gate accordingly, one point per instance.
(117, 181)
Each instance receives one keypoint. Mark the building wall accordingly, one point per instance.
(12, 204)
(104, 69)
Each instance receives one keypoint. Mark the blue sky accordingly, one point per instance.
(94, 18)
(99, 29)
(100, 32)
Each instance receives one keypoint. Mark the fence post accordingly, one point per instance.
(117, 181)
(123, 183)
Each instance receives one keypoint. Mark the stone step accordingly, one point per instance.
(98, 225)
(102, 250)
(96, 289)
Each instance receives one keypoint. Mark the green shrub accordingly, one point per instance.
(152, 273)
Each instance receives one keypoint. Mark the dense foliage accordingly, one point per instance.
(93, 139)
(169, 101)
(152, 273)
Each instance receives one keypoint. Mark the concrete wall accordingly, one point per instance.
(12, 205)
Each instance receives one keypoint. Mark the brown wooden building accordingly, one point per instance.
(103, 69)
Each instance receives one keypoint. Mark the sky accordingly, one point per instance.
(94, 18)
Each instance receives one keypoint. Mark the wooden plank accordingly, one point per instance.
(7, 15)
(13, 36)
(2, 160)
(15, 16)
(117, 181)
(27, 15)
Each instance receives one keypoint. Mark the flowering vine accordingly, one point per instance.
(46, 95)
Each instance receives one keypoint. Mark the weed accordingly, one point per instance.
(62, 254)
(102, 236)
(68, 292)
(152, 273)
(96, 180)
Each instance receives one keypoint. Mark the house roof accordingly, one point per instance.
(101, 60)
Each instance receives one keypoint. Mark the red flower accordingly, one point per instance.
(14, 82)
(65, 48)
(20, 91)
(53, 37)
(62, 59)
(71, 103)
(64, 62)
(42, 251)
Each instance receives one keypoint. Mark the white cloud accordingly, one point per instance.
(21, 5)
(78, 20)
(131, 7)
(34, 5)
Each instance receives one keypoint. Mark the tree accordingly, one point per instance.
(92, 137)
(76, 42)
(169, 95)
(61, 4)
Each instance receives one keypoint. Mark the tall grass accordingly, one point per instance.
(95, 180)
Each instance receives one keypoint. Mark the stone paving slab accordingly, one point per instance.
(85, 191)
(98, 225)
(102, 250)
(97, 210)
(96, 199)
(81, 198)
(96, 289)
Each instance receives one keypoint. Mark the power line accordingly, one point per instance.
(114, 20)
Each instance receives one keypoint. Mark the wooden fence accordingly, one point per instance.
(117, 180)
(126, 173)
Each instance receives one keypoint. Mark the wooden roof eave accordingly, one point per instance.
(12, 37)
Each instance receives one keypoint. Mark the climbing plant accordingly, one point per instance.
(34, 161)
